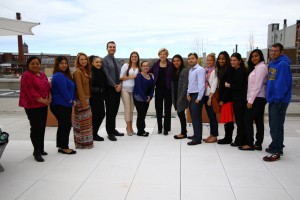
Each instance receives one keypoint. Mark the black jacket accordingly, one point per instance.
(99, 80)
(226, 93)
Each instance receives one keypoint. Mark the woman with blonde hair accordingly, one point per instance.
(211, 83)
(83, 131)
(163, 99)
(127, 75)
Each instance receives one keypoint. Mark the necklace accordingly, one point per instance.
(146, 76)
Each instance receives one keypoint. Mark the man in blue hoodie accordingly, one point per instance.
(278, 94)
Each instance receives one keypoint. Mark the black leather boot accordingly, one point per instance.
(228, 134)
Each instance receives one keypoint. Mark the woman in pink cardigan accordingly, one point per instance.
(256, 100)
(35, 98)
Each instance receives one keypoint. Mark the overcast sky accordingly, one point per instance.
(72, 26)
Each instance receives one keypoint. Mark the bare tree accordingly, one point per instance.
(197, 45)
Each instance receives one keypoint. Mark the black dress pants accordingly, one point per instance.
(63, 115)
(255, 114)
(239, 107)
(112, 103)
(163, 100)
(141, 108)
(98, 111)
(37, 118)
(213, 122)
(182, 119)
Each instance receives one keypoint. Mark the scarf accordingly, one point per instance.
(207, 76)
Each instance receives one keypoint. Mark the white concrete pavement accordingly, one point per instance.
(154, 167)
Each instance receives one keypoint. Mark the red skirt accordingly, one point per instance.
(226, 114)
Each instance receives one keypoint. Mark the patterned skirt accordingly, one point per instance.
(83, 129)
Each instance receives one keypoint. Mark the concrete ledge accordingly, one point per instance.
(12, 84)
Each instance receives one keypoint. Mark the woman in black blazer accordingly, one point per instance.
(97, 96)
(163, 99)
(225, 74)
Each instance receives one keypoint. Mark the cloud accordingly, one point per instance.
(86, 25)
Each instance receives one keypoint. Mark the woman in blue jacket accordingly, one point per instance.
(142, 94)
(63, 89)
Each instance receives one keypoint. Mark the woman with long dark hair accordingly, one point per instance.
(239, 94)
(99, 80)
(35, 97)
(62, 90)
(225, 73)
(127, 75)
(256, 100)
(83, 130)
(179, 86)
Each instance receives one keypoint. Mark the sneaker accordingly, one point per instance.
(272, 157)
(268, 151)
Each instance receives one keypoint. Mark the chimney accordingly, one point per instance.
(20, 44)
(284, 29)
(284, 23)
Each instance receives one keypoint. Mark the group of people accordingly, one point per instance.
(97, 85)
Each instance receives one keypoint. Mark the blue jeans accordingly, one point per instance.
(196, 114)
(213, 123)
(277, 113)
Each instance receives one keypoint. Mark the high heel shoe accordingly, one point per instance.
(129, 133)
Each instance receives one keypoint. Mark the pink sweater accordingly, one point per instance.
(257, 82)
(32, 88)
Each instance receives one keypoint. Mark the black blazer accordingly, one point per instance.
(226, 93)
(99, 80)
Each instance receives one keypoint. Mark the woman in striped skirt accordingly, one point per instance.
(83, 131)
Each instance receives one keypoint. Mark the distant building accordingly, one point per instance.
(288, 36)
(25, 48)
(11, 66)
